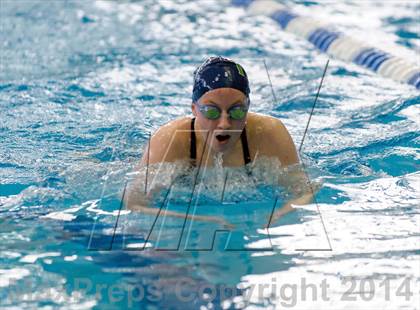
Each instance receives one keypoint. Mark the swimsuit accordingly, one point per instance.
(193, 151)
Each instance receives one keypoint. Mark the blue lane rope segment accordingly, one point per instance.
(375, 64)
(322, 38)
(244, 3)
(283, 17)
(415, 80)
(371, 59)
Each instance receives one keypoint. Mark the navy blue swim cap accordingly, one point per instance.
(219, 72)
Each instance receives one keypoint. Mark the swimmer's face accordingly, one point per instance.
(223, 132)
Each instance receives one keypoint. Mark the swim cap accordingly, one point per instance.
(219, 72)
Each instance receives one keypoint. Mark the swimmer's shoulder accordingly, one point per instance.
(179, 125)
(260, 126)
(271, 137)
(170, 142)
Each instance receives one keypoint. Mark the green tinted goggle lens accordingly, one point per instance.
(211, 112)
(237, 113)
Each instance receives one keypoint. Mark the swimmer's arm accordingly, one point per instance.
(157, 212)
(280, 144)
(305, 198)
(298, 184)
(169, 143)
(137, 200)
(140, 203)
(141, 190)
(296, 181)
(160, 149)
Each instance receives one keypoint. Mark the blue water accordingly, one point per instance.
(83, 83)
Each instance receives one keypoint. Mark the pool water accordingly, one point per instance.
(84, 83)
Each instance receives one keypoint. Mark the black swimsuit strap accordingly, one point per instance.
(193, 146)
(193, 151)
(245, 148)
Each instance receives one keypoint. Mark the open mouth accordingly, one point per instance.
(222, 138)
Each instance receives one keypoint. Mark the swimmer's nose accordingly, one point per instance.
(224, 121)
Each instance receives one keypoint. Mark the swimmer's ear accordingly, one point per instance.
(194, 112)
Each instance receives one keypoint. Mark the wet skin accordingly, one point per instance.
(266, 135)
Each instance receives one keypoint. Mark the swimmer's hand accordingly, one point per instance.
(203, 218)
(138, 201)
(298, 183)
(289, 207)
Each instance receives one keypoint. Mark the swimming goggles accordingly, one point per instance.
(236, 112)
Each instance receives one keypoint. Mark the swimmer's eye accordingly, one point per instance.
(212, 113)
(237, 113)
